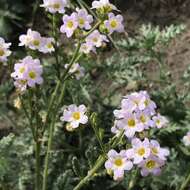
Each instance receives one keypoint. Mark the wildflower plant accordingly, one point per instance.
(44, 97)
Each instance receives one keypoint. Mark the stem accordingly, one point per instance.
(100, 161)
(133, 180)
(185, 183)
(37, 154)
(98, 164)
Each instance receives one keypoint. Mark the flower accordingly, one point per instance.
(186, 139)
(75, 115)
(118, 163)
(139, 151)
(70, 24)
(130, 124)
(156, 150)
(114, 23)
(54, 6)
(151, 165)
(77, 70)
(160, 121)
(104, 5)
(27, 72)
(87, 48)
(84, 19)
(4, 50)
(47, 45)
(96, 39)
(32, 40)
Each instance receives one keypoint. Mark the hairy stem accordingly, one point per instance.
(185, 183)
(37, 155)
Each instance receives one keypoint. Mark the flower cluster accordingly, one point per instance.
(79, 19)
(74, 116)
(54, 6)
(137, 113)
(27, 72)
(148, 155)
(4, 50)
(35, 41)
(76, 70)
(186, 139)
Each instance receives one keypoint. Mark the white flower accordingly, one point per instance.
(186, 139)
(160, 121)
(103, 4)
(118, 163)
(77, 70)
(75, 115)
(4, 50)
(54, 6)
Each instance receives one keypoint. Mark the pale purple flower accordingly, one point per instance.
(114, 23)
(75, 115)
(32, 40)
(96, 39)
(84, 19)
(156, 150)
(144, 119)
(54, 6)
(103, 4)
(87, 47)
(160, 121)
(186, 139)
(47, 45)
(151, 165)
(130, 124)
(77, 70)
(70, 24)
(4, 50)
(27, 73)
(118, 163)
(140, 150)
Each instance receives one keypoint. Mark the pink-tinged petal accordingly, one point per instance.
(137, 159)
(112, 153)
(118, 175)
(129, 133)
(144, 172)
(128, 165)
(74, 124)
(84, 119)
(130, 153)
(108, 164)
(156, 171)
(136, 142)
(82, 108)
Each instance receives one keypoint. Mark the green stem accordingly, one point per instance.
(37, 155)
(91, 173)
(185, 183)
(133, 180)
(100, 161)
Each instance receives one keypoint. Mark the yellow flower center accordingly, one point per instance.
(157, 121)
(95, 39)
(1, 52)
(150, 164)
(76, 115)
(49, 46)
(36, 42)
(131, 123)
(142, 118)
(141, 151)
(154, 151)
(81, 21)
(21, 70)
(113, 23)
(32, 74)
(56, 6)
(146, 102)
(70, 24)
(118, 162)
